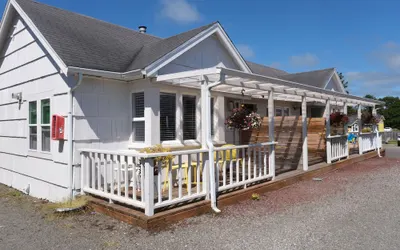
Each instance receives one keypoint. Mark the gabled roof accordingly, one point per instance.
(153, 51)
(86, 42)
(265, 70)
(316, 78)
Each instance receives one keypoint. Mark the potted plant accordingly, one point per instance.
(338, 121)
(242, 119)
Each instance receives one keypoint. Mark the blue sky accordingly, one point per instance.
(358, 37)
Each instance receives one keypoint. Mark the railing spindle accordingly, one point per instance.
(189, 170)
(159, 192)
(224, 168)
(198, 173)
(180, 175)
(111, 158)
(170, 184)
(230, 167)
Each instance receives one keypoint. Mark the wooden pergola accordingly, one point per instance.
(232, 81)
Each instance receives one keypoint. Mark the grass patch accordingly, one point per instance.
(110, 244)
(394, 142)
(50, 209)
(11, 193)
(78, 202)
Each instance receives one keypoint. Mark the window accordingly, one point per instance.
(189, 117)
(167, 116)
(278, 112)
(282, 111)
(138, 122)
(40, 126)
(45, 124)
(33, 125)
(286, 111)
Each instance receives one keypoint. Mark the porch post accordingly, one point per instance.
(328, 131)
(305, 134)
(346, 130)
(360, 149)
(203, 115)
(149, 186)
(271, 132)
(206, 156)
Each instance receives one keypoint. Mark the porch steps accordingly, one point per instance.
(163, 219)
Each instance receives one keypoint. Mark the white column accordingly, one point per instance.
(271, 132)
(219, 118)
(149, 187)
(152, 115)
(346, 130)
(305, 137)
(203, 97)
(360, 150)
(328, 131)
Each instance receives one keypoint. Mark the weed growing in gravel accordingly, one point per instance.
(11, 193)
(255, 197)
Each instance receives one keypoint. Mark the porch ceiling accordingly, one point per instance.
(258, 86)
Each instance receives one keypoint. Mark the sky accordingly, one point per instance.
(360, 38)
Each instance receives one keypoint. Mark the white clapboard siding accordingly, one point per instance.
(25, 67)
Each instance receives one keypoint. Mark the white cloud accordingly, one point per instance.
(305, 60)
(389, 55)
(180, 11)
(375, 83)
(245, 50)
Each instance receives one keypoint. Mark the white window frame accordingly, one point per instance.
(137, 119)
(39, 125)
(282, 108)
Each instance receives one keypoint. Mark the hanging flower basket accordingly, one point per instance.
(338, 119)
(243, 119)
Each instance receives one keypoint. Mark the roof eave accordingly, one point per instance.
(124, 76)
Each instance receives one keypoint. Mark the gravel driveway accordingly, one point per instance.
(353, 208)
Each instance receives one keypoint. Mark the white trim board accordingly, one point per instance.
(152, 69)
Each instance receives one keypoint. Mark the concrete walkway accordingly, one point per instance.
(356, 207)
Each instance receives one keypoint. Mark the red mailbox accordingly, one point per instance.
(57, 132)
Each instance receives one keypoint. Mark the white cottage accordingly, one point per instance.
(120, 89)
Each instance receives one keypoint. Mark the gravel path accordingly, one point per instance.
(354, 208)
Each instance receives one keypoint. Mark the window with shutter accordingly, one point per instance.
(167, 116)
(189, 117)
(138, 122)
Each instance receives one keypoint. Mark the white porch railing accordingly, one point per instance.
(370, 141)
(337, 147)
(150, 181)
(239, 166)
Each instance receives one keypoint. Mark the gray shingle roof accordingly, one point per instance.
(265, 70)
(153, 51)
(86, 42)
(316, 78)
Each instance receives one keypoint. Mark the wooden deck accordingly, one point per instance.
(164, 218)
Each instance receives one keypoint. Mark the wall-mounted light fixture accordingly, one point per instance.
(17, 96)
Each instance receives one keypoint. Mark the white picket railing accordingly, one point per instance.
(239, 166)
(337, 147)
(370, 141)
(145, 180)
(158, 180)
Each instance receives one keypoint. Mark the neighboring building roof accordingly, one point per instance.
(86, 42)
(316, 78)
(265, 70)
(352, 119)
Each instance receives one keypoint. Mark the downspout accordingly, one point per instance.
(210, 145)
(70, 136)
